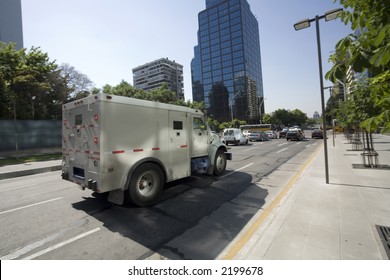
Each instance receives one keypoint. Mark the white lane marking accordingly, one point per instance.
(248, 149)
(282, 144)
(30, 247)
(52, 248)
(307, 146)
(21, 187)
(236, 170)
(299, 143)
(31, 205)
(281, 150)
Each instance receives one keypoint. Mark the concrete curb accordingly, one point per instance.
(13, 174)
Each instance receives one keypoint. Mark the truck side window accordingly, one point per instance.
(198, 123)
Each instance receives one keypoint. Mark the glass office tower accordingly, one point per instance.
(226, 69)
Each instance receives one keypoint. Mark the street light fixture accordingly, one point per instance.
(333, 14)
(330, 15)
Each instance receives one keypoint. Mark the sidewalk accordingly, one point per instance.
(30, 168)
(335, 221)
(18, 170)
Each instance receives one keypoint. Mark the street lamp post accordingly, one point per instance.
(333, 14)
(260, 108)
(231, 103)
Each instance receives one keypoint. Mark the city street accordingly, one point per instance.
(44, 217)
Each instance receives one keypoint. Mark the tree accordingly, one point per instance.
(282, 117)
(34, 87)
(367, 49)
(267, 118)
(298, 117)
(79, 85)
(25, 79)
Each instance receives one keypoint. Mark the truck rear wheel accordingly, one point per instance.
(146, 184)
(219, 163)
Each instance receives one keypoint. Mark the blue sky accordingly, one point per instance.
(106, 39)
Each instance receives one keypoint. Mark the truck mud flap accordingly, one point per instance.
(229, 156)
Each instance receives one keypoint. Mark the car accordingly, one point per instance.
(283, 133)
(234, 136)
(271, 134)
(258, 136)
(299, 130)
(317, 133)
(293, 135)
(246, 132)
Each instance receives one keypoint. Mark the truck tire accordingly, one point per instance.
(219, 163)
(146, 184)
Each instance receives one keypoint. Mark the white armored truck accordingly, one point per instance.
(130, 147)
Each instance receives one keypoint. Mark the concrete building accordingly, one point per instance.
(11, 28)
(154, 74)
(226, 69)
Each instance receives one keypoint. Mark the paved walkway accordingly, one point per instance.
(334, 221)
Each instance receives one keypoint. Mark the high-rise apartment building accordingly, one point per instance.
(11, 28)
(226, 69)
(154, 74)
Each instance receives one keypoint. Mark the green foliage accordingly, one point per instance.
(367, 49)
(26, 83)
(283, 117)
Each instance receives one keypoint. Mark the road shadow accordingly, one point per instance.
(196, 218)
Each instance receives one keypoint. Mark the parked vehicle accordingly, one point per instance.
(317, 133)
(271, 134)
(129, 148)
(258, 136)
(293, 135)
(234, 136)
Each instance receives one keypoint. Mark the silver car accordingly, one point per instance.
(258, 136)
(271, 134)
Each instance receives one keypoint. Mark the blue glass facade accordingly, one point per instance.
(226, 69)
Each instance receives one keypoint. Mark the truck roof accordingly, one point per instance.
(128, 100)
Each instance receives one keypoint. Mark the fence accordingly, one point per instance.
(29, 134)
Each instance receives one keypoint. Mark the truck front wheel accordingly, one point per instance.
(146, 184)
(219, 163)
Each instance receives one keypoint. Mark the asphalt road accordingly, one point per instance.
(44, 217)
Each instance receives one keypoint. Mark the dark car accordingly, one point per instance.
(283, 133)
(317, 133)
(257, 136)
(294, 135)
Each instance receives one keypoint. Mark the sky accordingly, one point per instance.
(105, 40)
